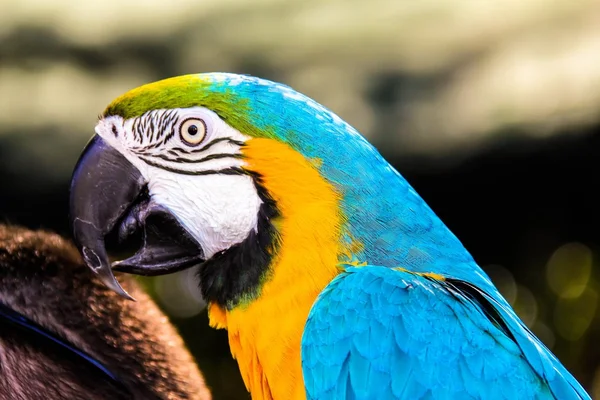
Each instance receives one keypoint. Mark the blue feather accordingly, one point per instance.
(409, 336)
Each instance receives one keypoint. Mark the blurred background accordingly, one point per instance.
(490, 109)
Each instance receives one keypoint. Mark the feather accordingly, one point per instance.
(410, 336)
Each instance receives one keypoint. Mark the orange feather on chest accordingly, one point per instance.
(265, 334)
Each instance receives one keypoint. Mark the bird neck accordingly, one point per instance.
(265, 333)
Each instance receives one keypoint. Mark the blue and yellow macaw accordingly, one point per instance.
(332, 276)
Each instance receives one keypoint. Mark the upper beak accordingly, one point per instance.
(106, 197)
(104, 185)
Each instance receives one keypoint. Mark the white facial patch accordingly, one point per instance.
(199, 181)
(218, 210)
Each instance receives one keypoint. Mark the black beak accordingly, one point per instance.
(104, 185)
(107, 196)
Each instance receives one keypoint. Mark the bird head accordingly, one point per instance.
(209, 168)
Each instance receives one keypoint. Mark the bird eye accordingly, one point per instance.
(192, 131)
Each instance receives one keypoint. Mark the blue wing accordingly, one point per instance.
(381, 333)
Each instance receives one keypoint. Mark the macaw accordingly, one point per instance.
(63, 335)
(332, 276)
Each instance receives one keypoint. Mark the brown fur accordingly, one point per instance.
(43, 278)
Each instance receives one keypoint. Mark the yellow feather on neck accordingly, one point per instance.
(265, 335)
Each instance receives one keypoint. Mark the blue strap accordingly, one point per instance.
(20, 321)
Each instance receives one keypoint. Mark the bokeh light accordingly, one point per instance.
(568, 270)
(179, 293)
(544, 333)
(526, 305)
(504, 281)
(573, 316)
(595, 392)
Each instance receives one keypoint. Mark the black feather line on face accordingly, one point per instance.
(172, 116)
(161, 120)
(142, 128)
(237, 274)
(225, 171)
(180, 159)
(208, 145)
(153, 130)
(136, 130)
(213, 142)
(178, 151)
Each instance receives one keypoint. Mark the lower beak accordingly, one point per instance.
(108, 195)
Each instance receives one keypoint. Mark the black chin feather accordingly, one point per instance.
(236, 274)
